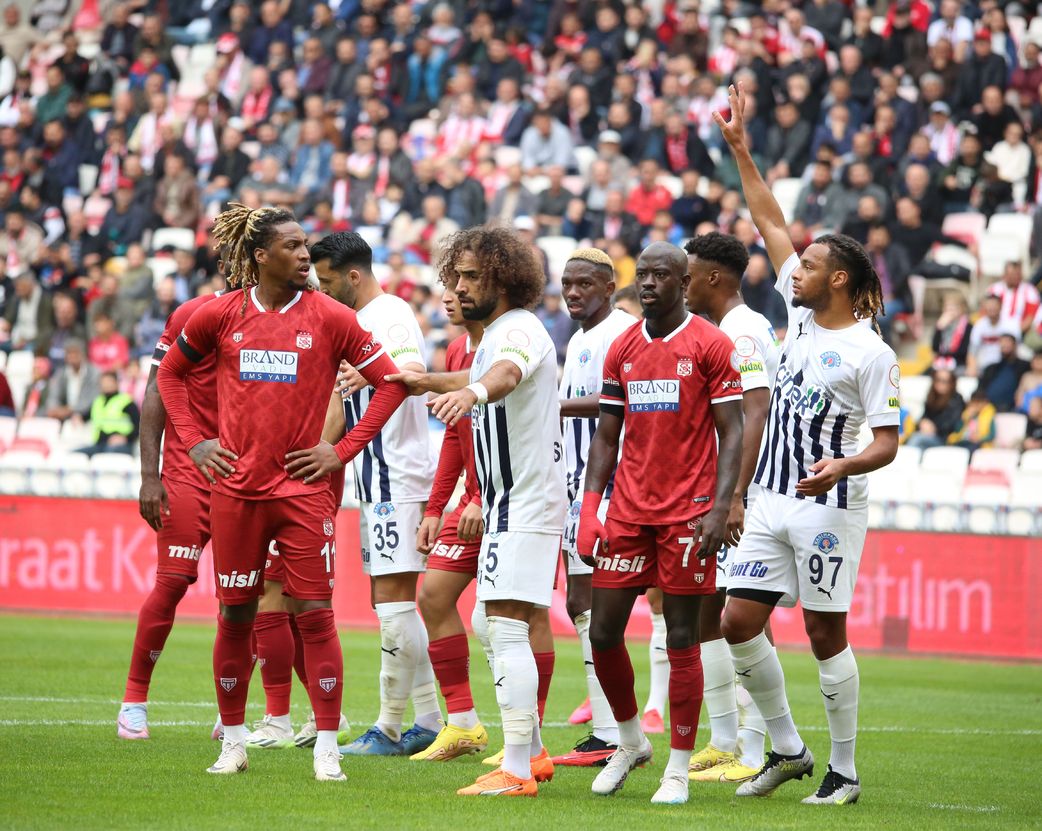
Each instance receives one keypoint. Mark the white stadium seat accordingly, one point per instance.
(15, 467)
(112, 472)
(786, 192)
(951, 461)
(995, 459)
(1031, 462)
(45, 477)
(985, 508)
(8, 428)
(907, 459)
(965, 386)
(914, 389)
(1010, 429)
(182, 238)
(77, 480)
(557, 250)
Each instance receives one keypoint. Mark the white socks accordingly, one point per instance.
(631, 736)
(678, 763)
(753, 729)
(659, 666)
(603, 722)
(325, 741)
(479, 623)
(839, 687)
(235, 733)
(281, 721)
(517, 682)
(719, 695)
(403, 644)
(757, 663)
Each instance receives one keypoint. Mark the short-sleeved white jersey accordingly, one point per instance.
(517, 440)
(830, 382)
(582, 376)
(756, 344)
(397, 465)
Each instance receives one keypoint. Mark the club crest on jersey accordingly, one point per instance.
(699, 578)
(327, 683)
(831, 360)
(237, 337)
(303, 340)
(627, 367)
(826, 542)
(229, 683)
(584, 357)
(327, 527)
(383, 509)
(574, 510)
(685, 366)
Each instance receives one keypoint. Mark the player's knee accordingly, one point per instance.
(827, 633)
(432, 607)
(733, 628)
(681, 637)
(605, 634)
(575, 607)
(239, 613)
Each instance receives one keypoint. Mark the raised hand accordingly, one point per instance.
(733, 130)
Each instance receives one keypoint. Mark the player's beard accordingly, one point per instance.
(480, 310)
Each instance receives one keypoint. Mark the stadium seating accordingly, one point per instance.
(965, 385)
(914, 389)
(112, 475)
(557, 250)
(997, 249)
(950, 461)
(1015, 226)
(968, 227)
(787, 191)
(183, 238)
(8, 428)
(1010, 429)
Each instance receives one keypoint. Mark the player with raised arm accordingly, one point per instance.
(278, 347)
(587, 285)
(673, 382)
(804, 534)
(716, 263)
(453, 551)
(512, 398)
(392, 482)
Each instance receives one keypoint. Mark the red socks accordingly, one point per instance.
(154, 622)
(615, 672)
(325, 666)
(544, 664)
(275, 654)
(685, 695)
(298, 652)
(450, 658)
(232, 667)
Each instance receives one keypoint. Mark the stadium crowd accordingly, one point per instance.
(126, 126)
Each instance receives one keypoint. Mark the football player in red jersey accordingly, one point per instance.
(674, 383)
(278, 347)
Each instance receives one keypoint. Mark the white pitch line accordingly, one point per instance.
(976, 809)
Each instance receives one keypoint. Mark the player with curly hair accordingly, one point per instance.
(804, 535)
(512, 400)
(278, 347)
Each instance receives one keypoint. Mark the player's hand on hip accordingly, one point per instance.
(733, 130)
(313, 463)
(735, 521)
(153, 503)
(824, 476)
(349, 380)
(414, 381)
(209, 456)
(471, 524)
(427, 534)
(710, 532)
(450, 407)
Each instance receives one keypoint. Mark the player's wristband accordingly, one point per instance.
(480, 391)
(591, 504)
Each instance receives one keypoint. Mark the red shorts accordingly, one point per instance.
(450, 553)
(185, 532)
(641, 556)
(274, 570)
(302, 526)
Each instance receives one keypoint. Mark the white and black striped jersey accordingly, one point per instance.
(397, 465)
(830, 382)
(517, 440)
(582, 376)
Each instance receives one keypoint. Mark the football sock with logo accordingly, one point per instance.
(757, 663)
(154, 622)
(544, 663)
(615, 672)
(517, 684)
(298, 652)
(603, 722)
(479, 623)
(659, 666)
(753, 730)
(232, 661)
(839, 688)
(685, 696)
(426, 710)
(721, 703)
(399, 647)
(325, 666)
(450, 658)
(275, 656)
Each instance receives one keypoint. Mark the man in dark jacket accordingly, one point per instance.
(892, 264)
(981, 69)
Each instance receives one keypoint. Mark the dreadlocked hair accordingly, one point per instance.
(848, 255)
(238, 232)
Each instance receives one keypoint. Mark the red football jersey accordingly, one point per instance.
(664, 389)
(202, 398)
(457, 449)
(275, 373)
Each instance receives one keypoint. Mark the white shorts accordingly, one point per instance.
(571, 529)
(806, 551)
(518, 565)
(725, 556)
(388, 537)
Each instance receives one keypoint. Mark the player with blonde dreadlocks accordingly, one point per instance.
(587, 285)
(277, 349)
(803, 537)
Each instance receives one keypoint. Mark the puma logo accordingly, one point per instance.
(826, 592)
(499, 683)
(393, 651)
(829, 697)
(387, 556)
(742, 672)
(491, 580)
(588, 663)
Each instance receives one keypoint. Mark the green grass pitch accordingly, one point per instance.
(943, 744)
